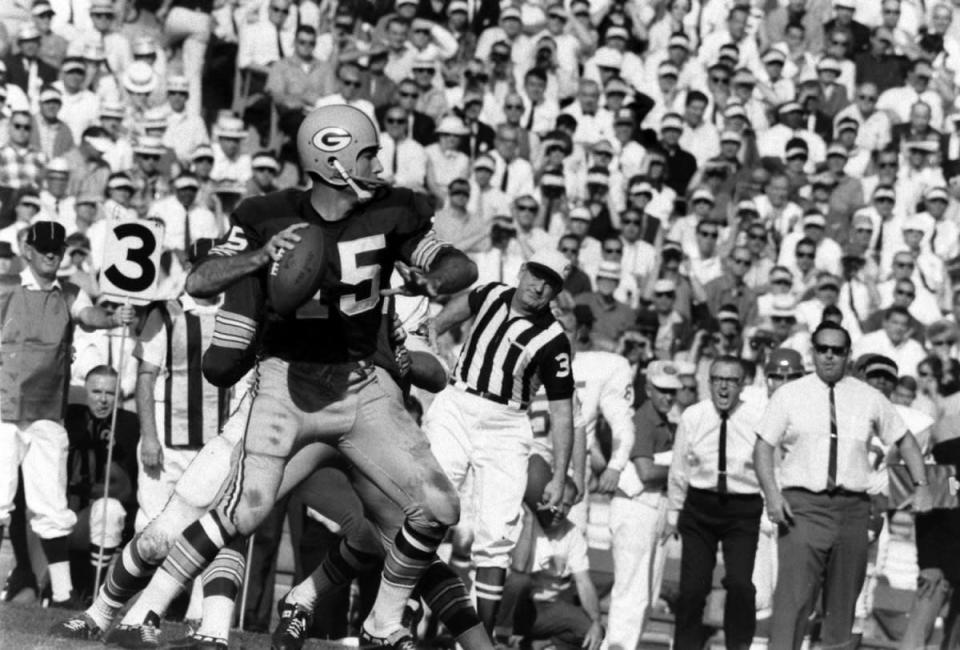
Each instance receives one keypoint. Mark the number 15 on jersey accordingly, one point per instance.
(131, 261)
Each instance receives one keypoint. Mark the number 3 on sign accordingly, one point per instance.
(131, 261)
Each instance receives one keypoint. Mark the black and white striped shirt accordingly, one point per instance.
(506, 357)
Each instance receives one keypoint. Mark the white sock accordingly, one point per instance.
(195, 608)
(384, 618)
(217, 617)
(304, 594)
(60, 582)
(156, 598)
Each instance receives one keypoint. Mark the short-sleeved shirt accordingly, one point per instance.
(340, 323)
(556, 558)
(797, 421)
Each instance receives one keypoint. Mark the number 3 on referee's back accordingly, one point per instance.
(131, 261)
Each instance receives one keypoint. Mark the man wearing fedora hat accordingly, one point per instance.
(148, 178)
(185, 130)
(25, 69)
(78, 105)
(445, 161)
(53, 46)
(229, 161)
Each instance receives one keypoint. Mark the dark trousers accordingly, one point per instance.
(561, 621)
(733, 521)
(827, 543)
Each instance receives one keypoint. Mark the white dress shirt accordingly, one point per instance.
(175, 217)
(411, 158)
(696, 451)
(907, 355)
(797, 423)
(79, 110)
(519, 176)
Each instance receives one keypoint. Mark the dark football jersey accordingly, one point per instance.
(341, 322)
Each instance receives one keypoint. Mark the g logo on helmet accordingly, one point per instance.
(331, 139)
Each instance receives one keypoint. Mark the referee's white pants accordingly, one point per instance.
(41, 448)
(467, 431)
(638, 560)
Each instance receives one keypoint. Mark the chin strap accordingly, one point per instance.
(362, 194)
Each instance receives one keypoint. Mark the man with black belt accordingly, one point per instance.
(713, 497)
(480, 421)
(823, 509)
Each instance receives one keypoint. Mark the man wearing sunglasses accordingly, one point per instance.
(21, 164)
(822, 508)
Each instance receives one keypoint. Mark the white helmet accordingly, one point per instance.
(329, 142)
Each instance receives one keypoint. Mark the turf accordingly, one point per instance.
(24, 627)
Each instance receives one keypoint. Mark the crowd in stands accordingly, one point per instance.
(723, 175)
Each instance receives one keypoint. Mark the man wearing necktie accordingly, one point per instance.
(820, 427)
(714, 499)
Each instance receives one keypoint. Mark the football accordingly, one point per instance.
(296, 276)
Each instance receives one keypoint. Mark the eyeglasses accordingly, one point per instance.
(756, 344)
(891, 11)
(836, 42)
(410, 95)
(742, 261)
(709, 234)
(631, 222)
(396, 120)
(353, 83)
(569, 250)
(307, 43)
(909, 294)
(613, 251)
(101, 15)
(904, 265)
(149, 156)
(526, 208)
(867, 98)
(720, 80)
(757, 237)
(805, 255)
(21, 126)
(946, 342)
(864, 230)
(280, 10)
(782, 319)
(887, 165)
(785, 283)
(459, 192)
(664, 294)
(837, 350)
(513, 107)
(729, 381)
(689, 387)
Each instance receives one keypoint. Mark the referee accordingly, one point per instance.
(822, 508)
(481, 422)
(714, 498)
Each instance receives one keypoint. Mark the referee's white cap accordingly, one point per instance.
(552, 262)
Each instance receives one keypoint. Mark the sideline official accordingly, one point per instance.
(820, 425)
(714, 498)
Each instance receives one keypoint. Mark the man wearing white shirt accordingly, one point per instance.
(773, 144)
(349, 85)
(828, 252)
(185, 221)
(185, 131)
(266, 41)
(404, 159)
(593, 123)
(540, 113)
(735, 33)
(56, 202)
(513, 175)
(510, 30)
(400, 53)
(530, 238)
(699, 136)
(80, 106)
(115, 45)
(916, 89)
(875, 126)
(486, 200)
(228, 160)
(894, 341)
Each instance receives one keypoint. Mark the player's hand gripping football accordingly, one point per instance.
(415, 283)
(283, 241)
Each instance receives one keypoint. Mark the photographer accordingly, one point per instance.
(502, 262)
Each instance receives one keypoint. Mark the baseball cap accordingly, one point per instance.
(609, 270)
(914, 224)
(58, 166)
(862, 219)
(783, 361)
(747, 205)
(616, 31)
(552, 178)
(553, 263)
(668, 69)
(789, 107)
(728, 312)
(663, 375)
(641, 187)
(671, 121)
(73, 64)
(201, 152)
(511, 12)
(679, 40)
(825, 280)
(828, 64)
(937, 193)
(582, 213)
(602, 146)
(884, 192)
(878, 363)
(796, 147)
(703, 194)
(774, 55)
(47, 236)
(780, 273)
(731, 136)
(484, 162)
(814, 219)
(837, 149)
(734, 109)
(664, 285)
(120, 181)
(743, 77)
(607, 57)
(616, 86)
